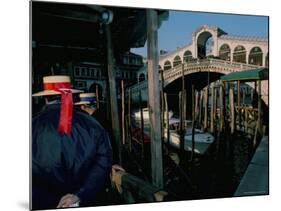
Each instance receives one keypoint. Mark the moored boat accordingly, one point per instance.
(202, 140)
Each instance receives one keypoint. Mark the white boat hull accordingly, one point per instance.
(202, 141)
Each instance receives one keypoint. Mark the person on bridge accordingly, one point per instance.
(71, 152)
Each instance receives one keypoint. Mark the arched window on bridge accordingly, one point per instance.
(177, 61)
(239, 54)
(167, 65)
(205, 44)
(266, 60)
(141, 77)
(187, 56)
(255, 56)
(225, 52)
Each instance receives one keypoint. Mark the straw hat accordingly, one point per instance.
(86, 98)
(54, 84)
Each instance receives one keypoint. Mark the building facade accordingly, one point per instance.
(87, 76)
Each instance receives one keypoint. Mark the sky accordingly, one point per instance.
(177, 30)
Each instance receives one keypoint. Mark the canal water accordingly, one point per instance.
(215, 174)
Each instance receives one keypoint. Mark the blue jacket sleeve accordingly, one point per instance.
(99, 171)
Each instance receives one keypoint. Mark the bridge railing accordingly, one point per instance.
(231, 66)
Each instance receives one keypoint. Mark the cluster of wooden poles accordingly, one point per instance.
(210, 112)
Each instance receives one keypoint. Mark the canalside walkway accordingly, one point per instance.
(255, 180)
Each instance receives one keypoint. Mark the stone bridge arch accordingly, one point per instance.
(196, 70)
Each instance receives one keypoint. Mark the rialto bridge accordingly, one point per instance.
(211, 54)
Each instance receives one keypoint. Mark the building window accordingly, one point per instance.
(141, 77)
(239, 54)
(83, 84)
(255, 56)
(225, 52)
(88, 72)
(187, 56)
(91, 70)
(134, 75)
(130, 60)
(118, 73)
(167, 65)
(80, 84)
(76, 71)
(83, 71)
(177, 61)
(125, 60)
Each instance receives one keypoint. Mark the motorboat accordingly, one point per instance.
(202, 140)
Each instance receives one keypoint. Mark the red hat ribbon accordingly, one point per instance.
(65, 121)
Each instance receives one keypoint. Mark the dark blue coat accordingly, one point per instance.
(78, 163)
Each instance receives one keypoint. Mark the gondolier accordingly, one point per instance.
(88, 104)
(71, 152)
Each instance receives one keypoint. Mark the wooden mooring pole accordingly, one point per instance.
(221, 108)
(154, 99)
(200, 108)
(232, 110)
(238, 104)
(243, 96)
(184, 107)
(215, 108)
(183, 98)
(193, 124)
(212, 109)
(221, 120)
(112, 93)
(97, 96)
(196, 104)
(162, 105)
(141, 126)
(167, 118)
(129, 121)
(181, 112)
(259, 108)
(206, 109)
(123, 112)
